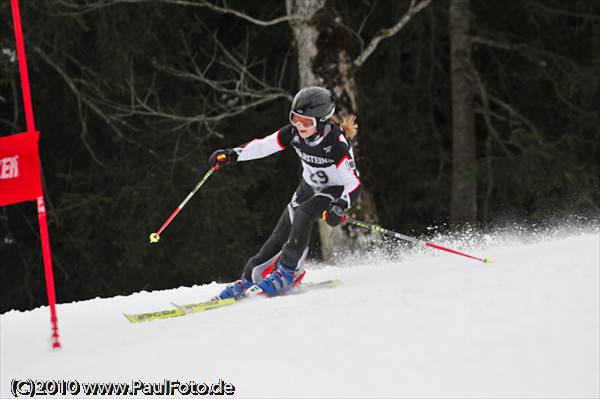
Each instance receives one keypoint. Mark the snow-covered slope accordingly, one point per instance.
(437, 325)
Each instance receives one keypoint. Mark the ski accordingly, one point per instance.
(204, 306)
(161, 314)
(179, 310)
(182, 310)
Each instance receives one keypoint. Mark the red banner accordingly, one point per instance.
(20, 177)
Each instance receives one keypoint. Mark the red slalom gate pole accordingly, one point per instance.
(47, 256)
(381, 230)
(46, 252)
(22, 65)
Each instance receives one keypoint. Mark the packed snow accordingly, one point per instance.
(428, 325)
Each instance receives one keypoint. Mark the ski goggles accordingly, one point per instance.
(304, 121)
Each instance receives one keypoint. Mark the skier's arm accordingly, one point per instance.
(336, 213)
(346, 169)
(257, 148)
(352, 185)
(263, 147)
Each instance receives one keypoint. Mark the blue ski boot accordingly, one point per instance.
(278, 282)
(235, 290)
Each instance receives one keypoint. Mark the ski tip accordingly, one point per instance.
(131, 318)
(487, 261)
(334, 282)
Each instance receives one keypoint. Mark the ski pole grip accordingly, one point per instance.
(220, 158)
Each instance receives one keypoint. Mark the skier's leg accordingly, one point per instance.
(289, 269)
(270, 250)
(262, 263)
(311, 210)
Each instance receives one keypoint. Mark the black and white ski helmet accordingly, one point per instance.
(313, 101)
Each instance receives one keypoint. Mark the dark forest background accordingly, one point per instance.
(132, 97)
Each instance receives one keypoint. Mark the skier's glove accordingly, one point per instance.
(221, 158)
(336, 213)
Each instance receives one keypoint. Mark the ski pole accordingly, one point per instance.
(155, 237)
(381, 230)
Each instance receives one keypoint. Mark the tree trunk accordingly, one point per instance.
(322, 60)
(463, 207)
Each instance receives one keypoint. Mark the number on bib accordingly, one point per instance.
(319, 177)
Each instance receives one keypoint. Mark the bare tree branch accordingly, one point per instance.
(14, 125)
(230, 96)
(89, 6)
(414, 8)
(495, 43)
(544, 58)
(533, 129)
(529, 52)
(80, 100)
(486, 115)
(564, 12)
(88, 101)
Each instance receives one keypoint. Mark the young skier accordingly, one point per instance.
(329, 187)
